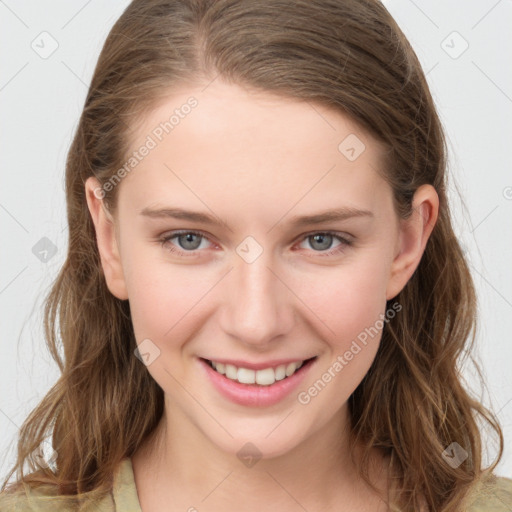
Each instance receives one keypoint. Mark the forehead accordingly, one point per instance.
(224, 139)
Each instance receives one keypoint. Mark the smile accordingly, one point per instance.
(264, 377)
(256, 387)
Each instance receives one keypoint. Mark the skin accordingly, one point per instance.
(255, 160)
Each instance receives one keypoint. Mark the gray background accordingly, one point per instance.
(42, 90)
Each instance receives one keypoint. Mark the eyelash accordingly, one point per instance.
(338, 250)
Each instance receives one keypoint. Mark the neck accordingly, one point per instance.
(179, 464)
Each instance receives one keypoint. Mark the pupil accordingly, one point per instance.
(321, 239)
(189, 239)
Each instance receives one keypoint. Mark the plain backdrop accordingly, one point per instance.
(49, 50)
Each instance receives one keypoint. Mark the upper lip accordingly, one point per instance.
(239, 363)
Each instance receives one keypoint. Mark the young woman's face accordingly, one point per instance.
(248, 283)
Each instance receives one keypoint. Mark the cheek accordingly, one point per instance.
(161, 304)
(352, 305)
(349, 299)
(165, 306)
(163, 297)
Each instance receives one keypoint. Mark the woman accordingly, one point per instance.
(264, 300)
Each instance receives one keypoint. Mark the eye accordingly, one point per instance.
(189, 241)
(321, 241)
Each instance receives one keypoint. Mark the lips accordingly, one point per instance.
(254, 394)
(264, 376)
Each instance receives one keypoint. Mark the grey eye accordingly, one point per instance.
(186, 241)
(322, 241)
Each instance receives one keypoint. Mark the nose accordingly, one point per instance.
(259, 306)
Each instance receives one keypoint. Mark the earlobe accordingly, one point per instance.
(413, 237)
(106, 239)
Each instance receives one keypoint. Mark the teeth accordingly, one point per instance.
(231, 372)
(246, 376)
(280, 372)
(290, 369)
(265, 377)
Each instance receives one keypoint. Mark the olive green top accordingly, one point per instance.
(497, 497)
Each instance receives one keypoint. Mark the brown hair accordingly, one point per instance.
(349, 55)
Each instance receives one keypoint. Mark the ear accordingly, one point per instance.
(106, 239)
(414, 233)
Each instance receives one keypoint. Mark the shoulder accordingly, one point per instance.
(38, 500)
(493, 495)
(45, 499)
(30, 500)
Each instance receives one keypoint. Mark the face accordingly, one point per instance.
(249, 283)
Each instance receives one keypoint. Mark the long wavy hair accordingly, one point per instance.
(349, 55)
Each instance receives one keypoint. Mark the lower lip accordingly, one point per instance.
(254, 395)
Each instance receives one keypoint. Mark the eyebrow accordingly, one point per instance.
(336, 214)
